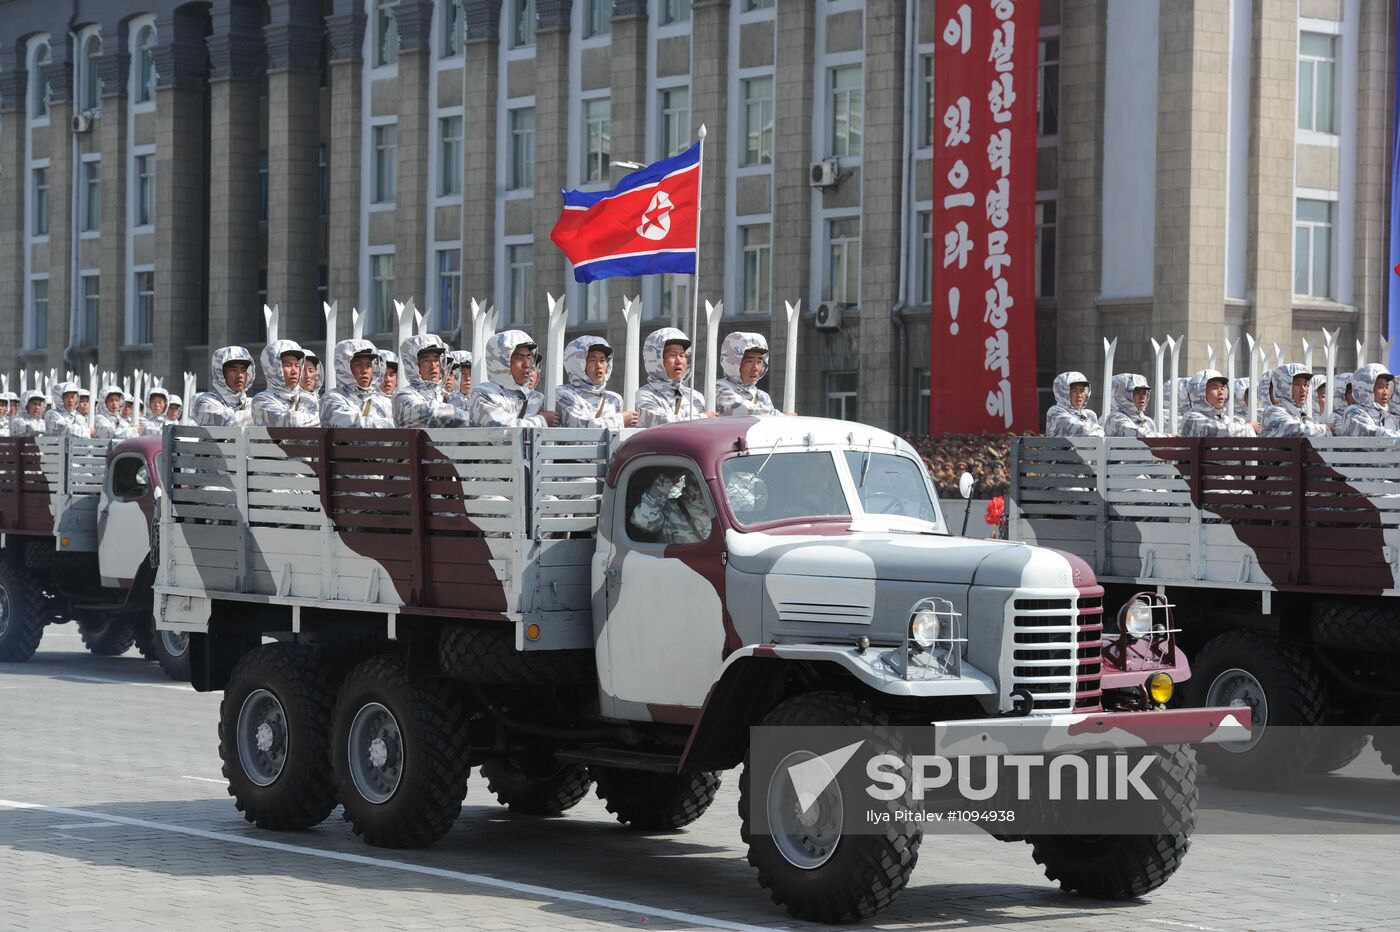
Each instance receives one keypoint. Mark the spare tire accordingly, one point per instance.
(1368, 625)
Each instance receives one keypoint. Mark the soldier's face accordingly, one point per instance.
(236, 376)
(1140, 397)
(596, 366)
(675, 361)
(84, 406)
(308, 375)
(1300, 390)
(390, 382)
(449, 384)
(291, 369)
(126, 411)
(115, 401)
(430, 365)
(173, 412)
(522, 364)
(751, 366)
(1215, 393)
(157, 405)
(70, 400)
(1078, 394)
(1382, 393)
(466, 387)
(362, 370)
(1322, 396)
(34, 407)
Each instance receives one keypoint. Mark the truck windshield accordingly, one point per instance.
(890, 485)
(764, 487)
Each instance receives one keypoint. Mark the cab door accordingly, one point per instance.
(124, 519)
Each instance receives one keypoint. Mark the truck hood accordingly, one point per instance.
(924, 558)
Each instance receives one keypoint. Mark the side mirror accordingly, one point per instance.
(965, 484)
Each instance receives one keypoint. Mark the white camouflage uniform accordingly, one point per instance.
(150, 425)
(1064, 421)
(661, 400)
(1203, 420)
(1125, 420)
(111, 424)
(1242, 396)
(460, 399)
(674, 509)
(497, 400)
(349, 405)
(22, 425)
(1364, 418)
(175, 402)
(6, 399)
(419, 403)
(59, 421)
(280, 406)
(221, 406)
(1284, 418)
(732, 397)
(579, 402)
(381, 402)
(1339, 400)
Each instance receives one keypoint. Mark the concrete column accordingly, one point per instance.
(1080, 194)
(236, 58)
(482, 76)
(60, 77)
(1375, 84)
(629, 114)
(415, 19)
(709, 103)
(293, 41)
(1273, 118)
(792, 198)
(551, 151)
(881, 177)
(13, 85)
(1189, 277)
(114, 68)
(347, 32)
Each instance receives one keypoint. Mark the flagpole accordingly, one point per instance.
(695, 278)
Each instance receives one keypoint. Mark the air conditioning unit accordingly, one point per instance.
(825, 174)
(82, 122)
(829, 315)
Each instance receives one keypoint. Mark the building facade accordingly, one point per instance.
(167, 167)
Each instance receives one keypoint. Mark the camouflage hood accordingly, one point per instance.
(732, 351)
(498, 352)
(158, 391)
(1363, 383)
(1281, 381)
(388, 357)
(272, 367)
(1183, 395)
(107, 392)
(1197, 390)
(1124, 384)
(218, 386)
(1242, 397)
(408, 356)
(1339, 391)
(32, 395)
(347, 350)
(654, 346)
(575, 358)
(1061, 387)
(58, 390)
(174, 402)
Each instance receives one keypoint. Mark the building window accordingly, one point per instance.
(41, 202)
(520, 273)
(522, 149)
(90, 294)
(381, 298)
(597, 18)
(842, 397)
(139, 329)
(454, 28)
(91, 83)
(756, 243)
(36, 330)
(758, 121)
(675, 119)
(1047, 100)
(1045, 249)
(323, 179)
(449, 278)
(675, 297)
(386, 33)
(262, 186)
(752, 5)
(449, 156)
(145, 190)
(843, 260)
(39, 104)
(1312, 249)
(926, 100)
(146, 65)
(597, 138)
(523, 33)
(386, 164)
(847, 110)
(595, 301)
(90, 197)
(923, 289)
(1317, 68)
(675, 11)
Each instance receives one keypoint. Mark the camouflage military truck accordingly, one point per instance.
(567, 609)
(1281, 556)
(78, 519)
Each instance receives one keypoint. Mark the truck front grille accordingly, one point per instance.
(1056, 652)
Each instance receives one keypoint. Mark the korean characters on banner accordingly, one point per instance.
(982, 365)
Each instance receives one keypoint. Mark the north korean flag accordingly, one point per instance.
(645, 226)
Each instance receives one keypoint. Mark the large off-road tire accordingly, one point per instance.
(21, 617)
(1366, 625)
(1280, 685)
(1120, 867)
(656, 802)
(172, 652)
(145, 633)
(1337, 746)
(547, 788)
(399, 750)
(825, 874)
(485, 653)
(273, 723)
(1387, 744)
(107, 636)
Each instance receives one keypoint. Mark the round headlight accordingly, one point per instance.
(925, 627)
(1137, 620)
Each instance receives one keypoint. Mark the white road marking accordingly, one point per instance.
(68, 825)
(185, 776)
(1186, 925)
(1354, 812)
(480, 880)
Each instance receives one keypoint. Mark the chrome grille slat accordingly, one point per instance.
(1056, 652)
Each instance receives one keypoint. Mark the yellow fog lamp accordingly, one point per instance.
(1160, 688)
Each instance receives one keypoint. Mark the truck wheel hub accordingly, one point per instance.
(263, 738)
(378, 752)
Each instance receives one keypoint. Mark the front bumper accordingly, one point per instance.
(1067, 732)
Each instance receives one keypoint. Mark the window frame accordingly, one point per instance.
(143, 201)
(751, 156)
(1313, 61)
(762, 254)
(89, 78)
(380, 175)
(447, 309)
(517, 168)
(596, 163)
(845, 150)
(90, 307)
(90, 197)
(450, 155)
(384, 25)
(39, 87)
(830, 242)
(454, 29)
(624, 501)
(381, 317)
(136, 314)
(844, 394)
(514, 290)
(1313, 227)
(666, 125)
(36, 331)
(144, 77)
(523, 23)
(673, 12)
(41, 202)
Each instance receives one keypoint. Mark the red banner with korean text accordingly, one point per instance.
(982, 367)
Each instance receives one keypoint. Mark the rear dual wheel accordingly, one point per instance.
(21, 621)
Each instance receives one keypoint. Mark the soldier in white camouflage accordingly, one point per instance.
(584, 400)
(9, 407)
(419, 400)
(1368, 415)
(286, 402)
(108, 420)
(673, 509)
(744, 359)
(1210, 390)
(62, 418)
(226, 404)
(311, 375)
(1288, 415)
(1070, 416)
(386, 383)
(356, 400)
(1129, 416)
(30, 421)
(154, 420)
(461, 398)
(665, 398)
(174, 412)
(1243, 409)
(1341, 399)
(503, 398)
